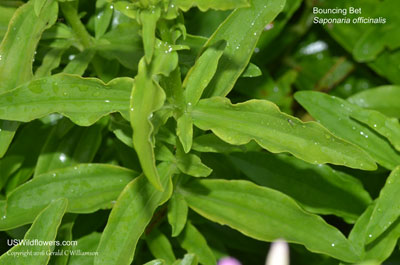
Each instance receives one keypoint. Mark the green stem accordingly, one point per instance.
(71, 15)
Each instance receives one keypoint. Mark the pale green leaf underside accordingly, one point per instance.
(83, 100)
(265, 214)
(277, 132)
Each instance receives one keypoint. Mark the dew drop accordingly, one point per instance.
(132, 109)
(62, 158)
(150, 116)
(71, 57)
(106, 101)
(369, 235)
(333, 244)
(375, 125)
(3, 217)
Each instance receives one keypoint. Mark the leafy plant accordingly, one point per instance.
(141, 131)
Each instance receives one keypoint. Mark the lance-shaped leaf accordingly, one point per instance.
(44, 228)
(317, 188)
(160, 247)
(382, 247)
(148, 19)
(196, 80)
(384, 99)
(339, 117)
(83, 100)
(146, 98)
(203, 5)
(177, 213)
(387, 127)
(81, 185)
(135, 205)
(265, 214)
(23, 34)
(104, 13)
(194, 242)
(241, 30)
(277, 132)
(387, 208)
(202, 72)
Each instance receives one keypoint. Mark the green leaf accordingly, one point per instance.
(44, 228)
(122, 43)
(265, 214)
(80, 62)
(382, 247)
(184, 130)
(387, 127)
(385, 212)
(200, 75)
(18, 158)
(383, 99)
(83, 100)
(7, 132)
(104, 13)
(194, 242)
(79, 145)
(317, 188)
(87, 243)
(155, 262)
(51, 60)
(160, 247)
(211, 143)
(81, 185)
(277, 132)
(191, 164)
(338, 116)
(38, 7)
(148, 19)
(64, 234)
(252, 70)
(188, 259)
(204, 5)
(23, 34)
(146, 98)
(177, 213)
(241, 30)
(135, 205)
